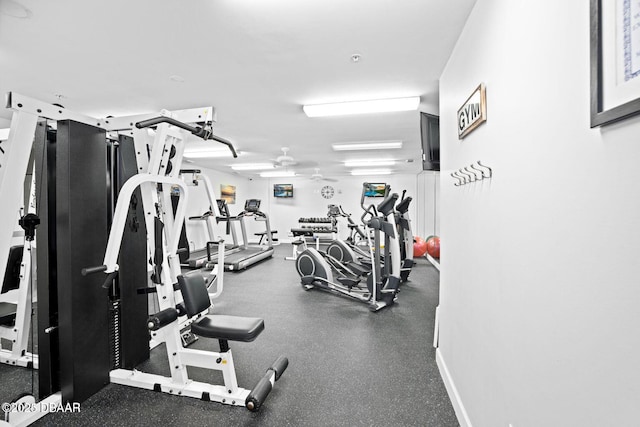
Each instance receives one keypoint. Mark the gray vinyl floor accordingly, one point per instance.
(347, 366)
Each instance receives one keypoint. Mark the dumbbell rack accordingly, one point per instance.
(316, 227)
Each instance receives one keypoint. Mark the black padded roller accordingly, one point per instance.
(260, 392)
(279, 366)
(162, 318)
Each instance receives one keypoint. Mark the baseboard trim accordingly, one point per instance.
(433, 261)
(458, 407)
(436, 328)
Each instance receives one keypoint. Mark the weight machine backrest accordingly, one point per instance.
(12, 273)
(194, 293)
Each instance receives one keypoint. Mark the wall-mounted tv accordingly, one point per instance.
(430, 135)
(282, 190)
(376, 190)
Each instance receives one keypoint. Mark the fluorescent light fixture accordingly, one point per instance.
(368, 163)
(251, 166)
(208, 153)
(371, 172)
(4, 134)
(371, 145)
(362, 107)
(278, 174)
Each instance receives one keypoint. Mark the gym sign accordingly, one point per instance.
(473, 113)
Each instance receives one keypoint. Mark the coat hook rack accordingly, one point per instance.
(470, 178)
(463, 177)
(473, 173)
(459, 179)
(486, 167)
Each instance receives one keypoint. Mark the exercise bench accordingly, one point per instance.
(164, 327)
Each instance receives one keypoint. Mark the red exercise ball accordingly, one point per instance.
(433, 247)
(419, 246)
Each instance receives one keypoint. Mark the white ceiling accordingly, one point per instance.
(256, 61)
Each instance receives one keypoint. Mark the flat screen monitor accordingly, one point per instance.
(376, 190)
(252, 205)
(282, 190)
(223, 208)
(430, 135)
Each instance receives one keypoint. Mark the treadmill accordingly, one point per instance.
(197, 257)
(248, 254)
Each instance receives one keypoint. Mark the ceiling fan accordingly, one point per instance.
(317, 176)
(286, 160)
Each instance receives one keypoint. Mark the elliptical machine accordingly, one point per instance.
(405, 235)
(348, 251)
(355, 247)
(317, 269)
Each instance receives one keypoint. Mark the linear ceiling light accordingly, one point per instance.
(252, 166)
(373, 145)
(371, 172)
(277, 174)
(368, 163)
(203, 154)
(362, 107)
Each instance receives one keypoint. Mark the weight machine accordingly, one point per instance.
(16, 297)
(195, 301)
(74, 212)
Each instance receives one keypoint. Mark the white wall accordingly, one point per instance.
(284, 213)
(427, 223)
(199, 204)
(308, 202)
(540, 294)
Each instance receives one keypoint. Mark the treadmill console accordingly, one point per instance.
(334, 211)
(223, 208)
(252, 205)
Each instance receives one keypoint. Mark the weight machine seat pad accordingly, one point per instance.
(231, 328)
(7, 313)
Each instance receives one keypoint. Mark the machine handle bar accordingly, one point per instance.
(197, 131)
(99, 269)
(372, 211)
(93, 270)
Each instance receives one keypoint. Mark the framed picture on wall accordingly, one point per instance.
(283, 190)
(228, 193)
(615, 60)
